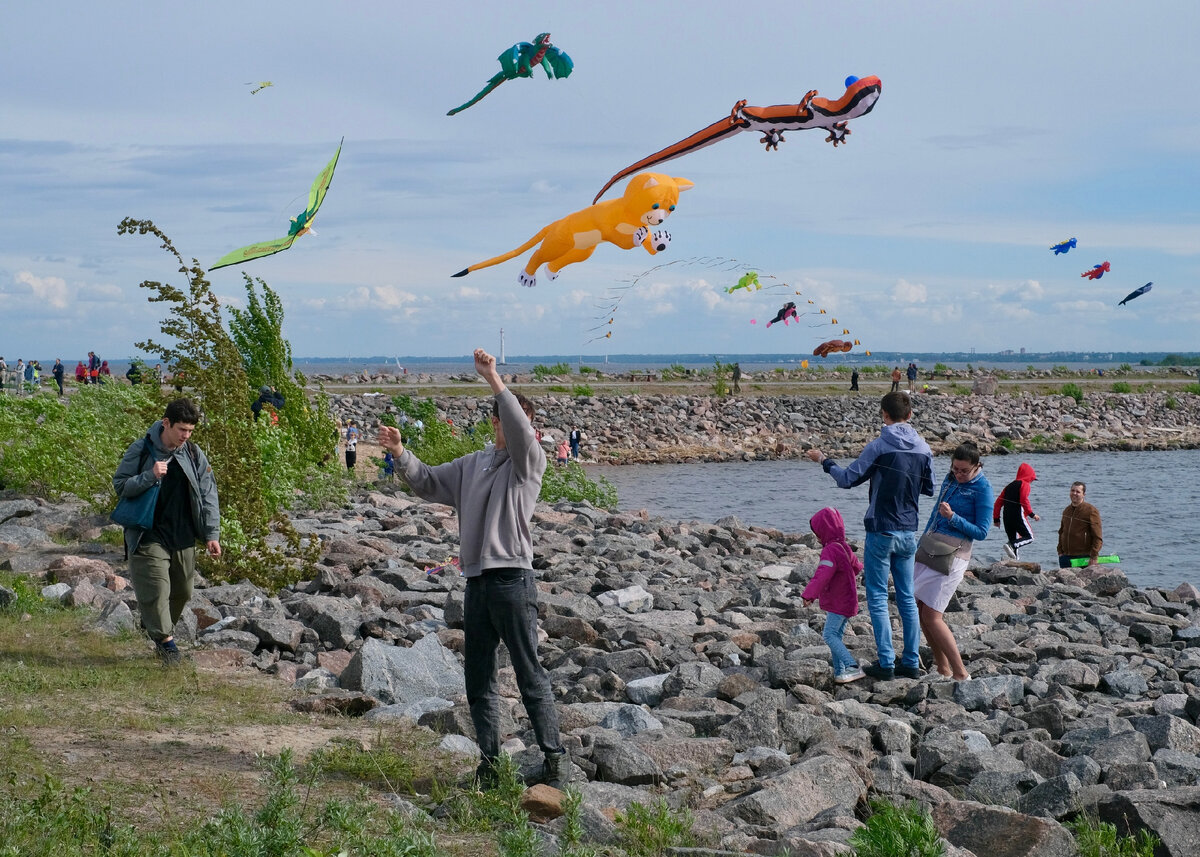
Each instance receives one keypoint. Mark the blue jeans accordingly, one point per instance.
(884, 552)
(501, 604)
(835, 626)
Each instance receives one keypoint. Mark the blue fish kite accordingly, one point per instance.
(1062, 247)
(1136, 293)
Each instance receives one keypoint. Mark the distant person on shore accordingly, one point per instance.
(93, 366)
(911, 372)
(854, 380)
(576, 437)
(351, 445)
(1013, 510)
(563, 451)
(961, 513)
(1079, 535)
(895, 379)
(835, 585)
(899, 466)
(494, 492)
(59, 371)
(80, 373)
(737, 377)
(3, 373)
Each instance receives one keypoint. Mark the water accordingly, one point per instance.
(1147, 502)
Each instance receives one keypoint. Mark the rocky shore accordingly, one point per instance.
(686, 666)
(668, 428)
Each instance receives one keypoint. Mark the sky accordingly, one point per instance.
(1002, 128)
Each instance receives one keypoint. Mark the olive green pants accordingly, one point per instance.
(162, 582)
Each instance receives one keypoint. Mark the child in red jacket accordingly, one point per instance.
(1012, 507)
(835, 584)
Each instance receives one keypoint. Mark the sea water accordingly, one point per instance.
(1148, 502)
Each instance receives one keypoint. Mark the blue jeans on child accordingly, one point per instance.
(835, 626)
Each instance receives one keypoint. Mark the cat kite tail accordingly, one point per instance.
(1136, 293)
(812, 112)
(301, 224)
(1063, 246)
(648, 200)
(520, 60)
(1097, 271)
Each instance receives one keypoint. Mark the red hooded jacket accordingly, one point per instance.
(834, 584)
(1021, 485)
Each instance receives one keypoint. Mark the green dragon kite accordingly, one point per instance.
(520, 61)
(301, 223)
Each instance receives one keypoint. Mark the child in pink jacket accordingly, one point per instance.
(835, 584)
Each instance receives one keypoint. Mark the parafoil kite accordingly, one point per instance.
(833, 346)
(811, 112)
(301, 223)
(260, 86)
(1062, 246)
(787, 311)
(520, 61)
(747, 280)
(1097, 271)
(648, 200)
(1136, 293)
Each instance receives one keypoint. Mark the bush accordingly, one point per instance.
(540, 370)
(721, 374)
(1097, 838)
(1006, 442)
(438, 442)
(582, 390)
(1172, 403)
(571, 482)
(1194, 389)
(650, 831)
(1122, 387)
(897, 831)
(1074, 391)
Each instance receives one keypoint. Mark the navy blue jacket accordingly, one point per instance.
(900, 467)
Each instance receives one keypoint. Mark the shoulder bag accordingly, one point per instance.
(138, 511)
(938, 551)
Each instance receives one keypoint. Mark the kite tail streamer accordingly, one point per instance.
(492, 83)
(512, 254)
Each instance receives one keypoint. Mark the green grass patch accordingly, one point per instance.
(1097, 838)
(897, 831)
(1074, 391)
(1122, 387)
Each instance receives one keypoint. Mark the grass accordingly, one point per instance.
(897, 831)
(1097, 838)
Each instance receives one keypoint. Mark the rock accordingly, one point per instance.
(1000, 832)
(1173, 816)
(394, 674)
(799, 793)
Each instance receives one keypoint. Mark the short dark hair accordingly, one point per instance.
(898, 406)
(966, 451)
(182, 411)
(1081, 485)
(526, 406)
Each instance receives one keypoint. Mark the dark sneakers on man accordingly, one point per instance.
(486, 775)
(878, 672)
(558, 769)
(902, 671)
(168, 653)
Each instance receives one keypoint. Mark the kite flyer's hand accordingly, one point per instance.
(389, 439)
(816, 455)
(213, 547)
(485, 366)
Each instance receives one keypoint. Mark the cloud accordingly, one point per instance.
(1029, 290)
(51, 290)
(905, 292)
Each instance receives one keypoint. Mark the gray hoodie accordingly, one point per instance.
(493, 490)
(129, 483)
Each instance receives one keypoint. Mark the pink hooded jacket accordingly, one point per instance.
(834, 585)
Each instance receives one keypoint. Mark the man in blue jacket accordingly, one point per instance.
(494, 492)
(899, 466)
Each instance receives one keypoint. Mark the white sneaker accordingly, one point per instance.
(849, 676)
(1009, 551)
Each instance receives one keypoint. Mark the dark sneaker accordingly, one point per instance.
(878, 672)
(558, 769)
(168, 653)
(907, 672)
(486, 776)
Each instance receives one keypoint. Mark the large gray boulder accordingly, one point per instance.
(1173, 815)
(1000, 832)
(801, 792)
(393, 674)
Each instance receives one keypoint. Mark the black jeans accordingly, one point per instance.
(501, 604)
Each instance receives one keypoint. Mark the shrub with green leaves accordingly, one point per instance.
(540, 370)
(650, 831)
(1122, 387)
(1194, 389)
(1074, 391)
(582, 390)
(897, 831)
(1097, 838)
(570, 482)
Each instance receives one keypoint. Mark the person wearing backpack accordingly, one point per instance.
(162, 558)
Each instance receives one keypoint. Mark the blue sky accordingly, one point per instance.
(1002, 128)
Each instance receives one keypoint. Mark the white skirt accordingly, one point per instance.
(935, 589)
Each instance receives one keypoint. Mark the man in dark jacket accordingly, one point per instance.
(1079, 535)
(162, 559)
(899, 466)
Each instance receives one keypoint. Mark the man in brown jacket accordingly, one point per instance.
(1079, 534)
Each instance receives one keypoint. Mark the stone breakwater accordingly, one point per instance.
(656, 428)
(686, 666)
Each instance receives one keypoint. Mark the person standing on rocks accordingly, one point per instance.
(351, 445)
(899, 466)
(576, 436)
(835, 583)
(162, 560)
(737, 377)
(854, 379)
(494, 491)
(962, 511)
(895, 379)
(1079, 535)
(1013, 510)
(911, 374)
